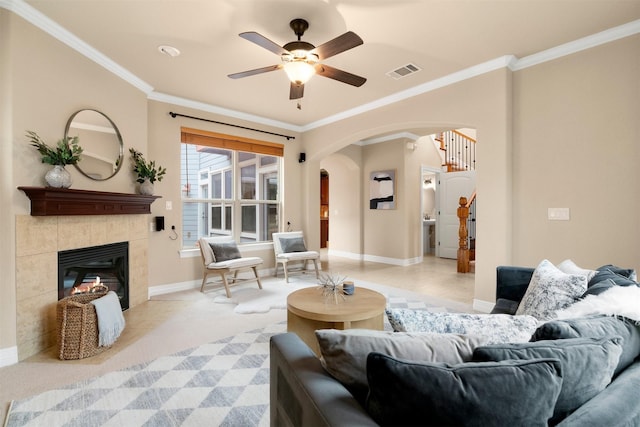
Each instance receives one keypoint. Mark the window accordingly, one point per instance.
(237, 191)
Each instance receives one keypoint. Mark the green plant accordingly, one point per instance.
(66, 151)
(144, 169)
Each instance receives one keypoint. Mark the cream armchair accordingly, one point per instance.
(220, 255)
(290, 247)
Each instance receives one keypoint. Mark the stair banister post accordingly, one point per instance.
(463, 249)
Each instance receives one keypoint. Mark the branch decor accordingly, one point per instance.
(146, 170)
(331, 287)
(66, 151)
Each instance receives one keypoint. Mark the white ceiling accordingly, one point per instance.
(442, 37)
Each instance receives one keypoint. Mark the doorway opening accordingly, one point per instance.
(324, 208)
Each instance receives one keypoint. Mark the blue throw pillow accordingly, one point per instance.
(595, 327)
(509, 393)
(587, 365)
(225, 251)
(292, 244)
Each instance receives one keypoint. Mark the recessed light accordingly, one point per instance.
(169, 50)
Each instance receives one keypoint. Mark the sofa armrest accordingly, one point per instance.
(615, 406)
(512, 282)
(302, 393)
(505, 306)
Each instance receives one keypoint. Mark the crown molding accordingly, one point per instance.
(603, 37)
(467, 73)
(30, 14)
(201, 106)
(46, 24)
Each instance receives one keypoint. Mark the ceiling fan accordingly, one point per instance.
(301, 60)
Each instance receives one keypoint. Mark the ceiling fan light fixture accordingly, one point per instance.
(299, 71)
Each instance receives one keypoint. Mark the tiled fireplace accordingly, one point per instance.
(38, 241)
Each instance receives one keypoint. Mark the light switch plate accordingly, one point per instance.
(558, 214)
(168, 205)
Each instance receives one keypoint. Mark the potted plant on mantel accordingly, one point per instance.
(66, 152)
(147, 172)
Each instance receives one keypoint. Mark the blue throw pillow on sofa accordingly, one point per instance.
(595, 327)
(587, 365)
(509, 393)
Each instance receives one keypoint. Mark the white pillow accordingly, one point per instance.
(570, 267)
(551, 290)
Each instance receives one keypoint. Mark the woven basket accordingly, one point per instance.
(78, 326)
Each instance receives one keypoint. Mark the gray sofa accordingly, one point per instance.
(303, 393)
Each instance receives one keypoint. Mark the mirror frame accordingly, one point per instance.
(120, 158)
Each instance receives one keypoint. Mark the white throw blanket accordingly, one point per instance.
(110, 318)
(621, 301)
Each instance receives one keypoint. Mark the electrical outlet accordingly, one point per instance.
(150, 226)
(558, 214)
(168, 205)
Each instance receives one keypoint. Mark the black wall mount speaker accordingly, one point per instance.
(159, 223)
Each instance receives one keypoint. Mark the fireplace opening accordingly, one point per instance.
(80, 270)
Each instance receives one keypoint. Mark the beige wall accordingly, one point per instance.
(166, 264)
(482, 103)
(576, 145)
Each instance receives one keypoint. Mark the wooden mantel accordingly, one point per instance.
(46, 201)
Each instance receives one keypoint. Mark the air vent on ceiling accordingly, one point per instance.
(404, 71)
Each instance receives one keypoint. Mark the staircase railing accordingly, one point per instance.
(459, 151)
(466, 245)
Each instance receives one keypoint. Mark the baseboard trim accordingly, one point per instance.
(8, 356)
(374, 258)
(193, 284)
(483, 306)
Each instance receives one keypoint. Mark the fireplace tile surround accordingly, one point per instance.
(38, 240)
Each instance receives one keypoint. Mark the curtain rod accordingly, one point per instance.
(172, 114)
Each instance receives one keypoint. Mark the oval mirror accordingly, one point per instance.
(101, 142)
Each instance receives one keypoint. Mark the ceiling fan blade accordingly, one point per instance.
(264, 42)
(296, 91)
(254, 72)
(341, 76)
(347, 41)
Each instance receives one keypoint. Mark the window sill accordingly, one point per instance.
(244, 249)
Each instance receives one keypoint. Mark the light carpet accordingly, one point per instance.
(223, 383)
(248, 298)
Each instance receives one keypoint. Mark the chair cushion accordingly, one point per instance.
(487, 394)
(236, 263)
(297, 256)
(225, 251)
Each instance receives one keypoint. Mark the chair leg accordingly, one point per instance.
(226, 285)
(286, 274)
(315, 263)
(204, 281)
(235, 277)
(255, 271)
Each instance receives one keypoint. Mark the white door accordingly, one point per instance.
(451, 186)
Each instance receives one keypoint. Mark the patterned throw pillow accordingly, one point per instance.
(550, 290)
(494, 328)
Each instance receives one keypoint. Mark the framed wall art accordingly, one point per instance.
(382, 189)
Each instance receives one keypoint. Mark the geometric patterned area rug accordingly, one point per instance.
(223, 383)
